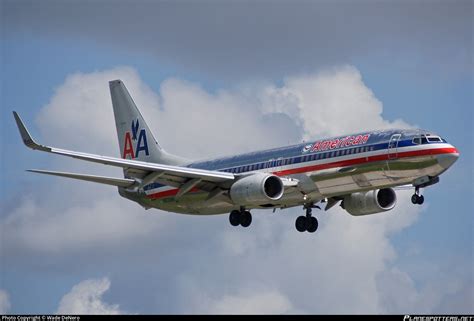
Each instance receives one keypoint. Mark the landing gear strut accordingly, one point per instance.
(417, 198)
(241, 217)
(307, 223)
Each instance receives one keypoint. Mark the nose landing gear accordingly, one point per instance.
(417, 198)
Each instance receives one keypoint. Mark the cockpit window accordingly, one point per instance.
(434, 139)
(427, 138)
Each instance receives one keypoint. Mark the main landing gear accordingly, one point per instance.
(417, 198)
(241, 217)
(307, 223)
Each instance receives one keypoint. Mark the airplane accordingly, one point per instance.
(358, 171)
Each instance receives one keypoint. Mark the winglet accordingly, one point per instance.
(25, 135)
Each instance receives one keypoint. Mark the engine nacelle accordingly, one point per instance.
(256, 189)
(370, 202)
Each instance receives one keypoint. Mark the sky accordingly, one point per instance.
(217, 78)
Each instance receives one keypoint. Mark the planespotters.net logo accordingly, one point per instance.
(438, 318)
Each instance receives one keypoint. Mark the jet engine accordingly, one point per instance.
(256, 189)
(371, 202)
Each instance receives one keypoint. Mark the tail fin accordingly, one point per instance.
(136, 140)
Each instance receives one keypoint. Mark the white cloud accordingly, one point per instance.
(343, 268)
(100, 220)
(4, 302)
(86, 298)
(267, 302)
(329, 103)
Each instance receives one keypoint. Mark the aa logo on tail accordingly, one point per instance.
(140, 141)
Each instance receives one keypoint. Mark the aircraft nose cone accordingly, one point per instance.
(446, 160)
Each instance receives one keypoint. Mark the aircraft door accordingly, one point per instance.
(393, 146)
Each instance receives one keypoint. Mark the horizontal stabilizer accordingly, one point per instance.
(122, 182)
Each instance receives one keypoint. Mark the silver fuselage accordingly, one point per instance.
(326, 168)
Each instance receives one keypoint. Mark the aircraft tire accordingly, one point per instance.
(313, 224)
(301, 224)
(246, 219)
(421, 199)
(235, 218)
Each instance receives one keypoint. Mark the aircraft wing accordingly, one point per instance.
(183, 177)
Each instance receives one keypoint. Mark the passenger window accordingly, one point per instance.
(417, 140)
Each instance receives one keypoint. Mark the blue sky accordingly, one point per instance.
(425, 80)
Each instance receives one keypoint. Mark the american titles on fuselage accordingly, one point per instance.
(323, 145)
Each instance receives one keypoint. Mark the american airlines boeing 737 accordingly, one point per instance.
(357, 171)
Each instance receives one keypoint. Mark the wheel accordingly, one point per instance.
(246, 219)
(421, 199)
(313, 224)
(300, 223)
(414, 199)
(234, 218)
